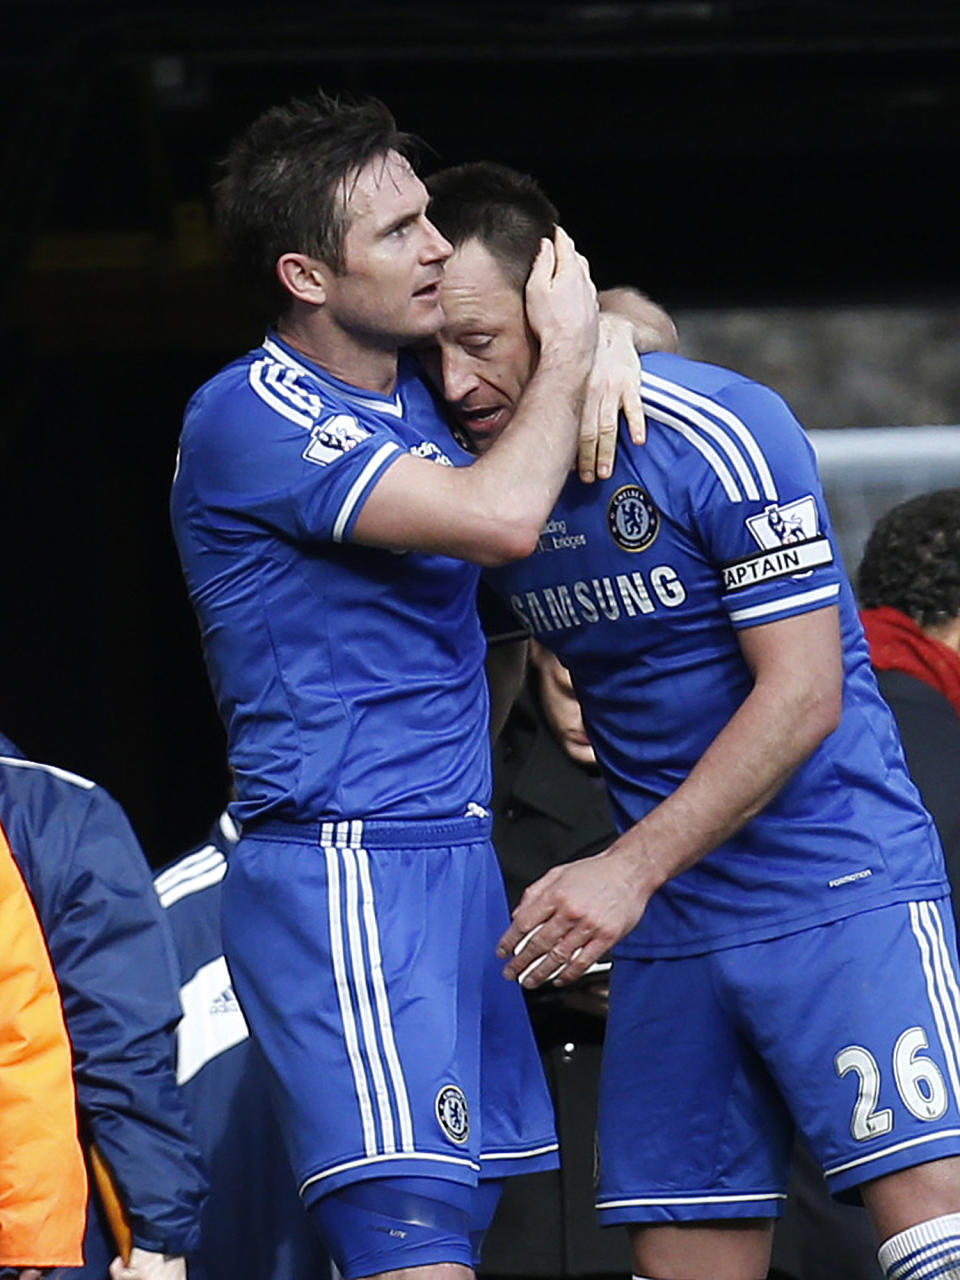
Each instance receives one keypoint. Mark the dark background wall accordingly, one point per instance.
(716, 154)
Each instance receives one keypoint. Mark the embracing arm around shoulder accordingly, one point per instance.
(492, 511)
(794, 704)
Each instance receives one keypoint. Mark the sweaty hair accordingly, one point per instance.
(504, 210)
(284, 184)
(912, 559)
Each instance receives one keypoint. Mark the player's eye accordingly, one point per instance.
(476, 344)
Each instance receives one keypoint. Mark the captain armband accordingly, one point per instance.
(792, 560)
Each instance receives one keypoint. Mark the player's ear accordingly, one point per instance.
(303, 277)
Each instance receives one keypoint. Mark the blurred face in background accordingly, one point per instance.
(560, 705)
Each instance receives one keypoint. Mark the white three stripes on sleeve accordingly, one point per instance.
(277, 387)
(712, 429)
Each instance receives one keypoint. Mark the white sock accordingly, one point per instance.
(928, 1251)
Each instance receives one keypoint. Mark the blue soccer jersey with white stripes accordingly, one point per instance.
(350, 679)
(640, 585)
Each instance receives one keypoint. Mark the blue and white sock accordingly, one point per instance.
(928, 1251)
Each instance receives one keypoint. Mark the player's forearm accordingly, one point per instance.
(576, 912)
(492, 512)
(743, 769)
(517, 482)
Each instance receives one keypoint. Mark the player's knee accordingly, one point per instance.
(387, 1224)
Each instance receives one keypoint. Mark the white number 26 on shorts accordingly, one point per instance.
(919, 1083)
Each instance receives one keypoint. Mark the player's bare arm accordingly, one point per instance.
(574, 913)
(493, 511)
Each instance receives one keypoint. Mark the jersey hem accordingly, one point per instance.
(535, 1159)
(626, 950)
(901, 1155)
(422, 1164)
(692, 1206)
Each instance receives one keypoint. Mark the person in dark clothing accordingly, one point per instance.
(909, 590)
(114, 962)
(549, 807)
(254, 1226)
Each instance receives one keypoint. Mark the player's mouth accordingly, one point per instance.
(484, 422)
(429, 292)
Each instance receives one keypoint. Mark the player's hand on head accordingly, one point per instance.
(568, 919)
(613, 387)
(146, 1265)
(561, 304)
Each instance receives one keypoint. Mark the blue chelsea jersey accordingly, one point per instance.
(640, 585)
(350, 679)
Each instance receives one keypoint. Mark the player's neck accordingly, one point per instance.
(345, 355)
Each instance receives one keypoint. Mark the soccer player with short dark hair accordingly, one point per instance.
(787, 952)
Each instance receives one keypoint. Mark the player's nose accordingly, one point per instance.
(437, 248)
(459, 378)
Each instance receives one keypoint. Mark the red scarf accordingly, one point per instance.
(897, 643)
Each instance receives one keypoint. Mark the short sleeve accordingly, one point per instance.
(270, 448)
(758, 506)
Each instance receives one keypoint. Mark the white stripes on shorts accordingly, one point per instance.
(358, 971)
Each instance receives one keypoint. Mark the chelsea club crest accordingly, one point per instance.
(453, 1114)
(632, 518)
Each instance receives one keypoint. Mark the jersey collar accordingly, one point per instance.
(286, 355)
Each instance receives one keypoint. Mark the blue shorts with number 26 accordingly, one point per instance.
(849, 1031)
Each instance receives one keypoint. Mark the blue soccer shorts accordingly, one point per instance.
(363, 957)
(850, 1031)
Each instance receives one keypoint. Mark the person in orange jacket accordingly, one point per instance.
(43, 1185)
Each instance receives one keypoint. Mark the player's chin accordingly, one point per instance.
(480, 441)
(418, 329)
(426, 313)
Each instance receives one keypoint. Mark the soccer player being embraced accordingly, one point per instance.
(787, 952)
